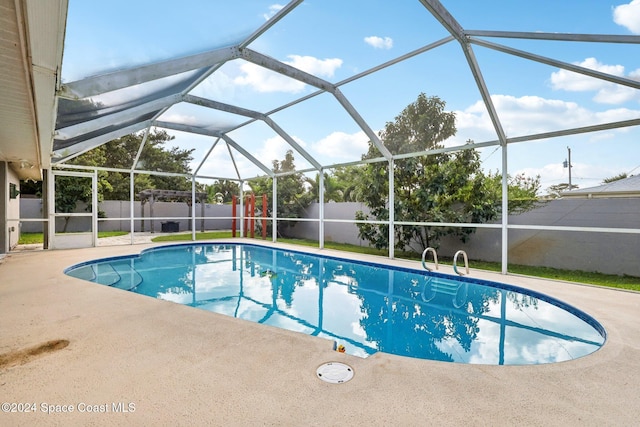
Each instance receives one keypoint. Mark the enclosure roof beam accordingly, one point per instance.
(445, 18)
(203, 102)
(187, 128)
(593, 38)
(358, 76)
(255, 115)
(560, 64)
(248, 155)
(308, 157)
(294, 73)
(271, 22)
(453, 26)
(363, 125)
(285, 69)
(206, 156)
(576, 131)
(115, 118)
(140, 148)
(65, 154)
(217, 134)
(108, 82)
(484, 91)
(233, 160)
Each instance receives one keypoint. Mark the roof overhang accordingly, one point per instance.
(31, 46)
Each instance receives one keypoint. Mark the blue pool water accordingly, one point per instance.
(365, 307)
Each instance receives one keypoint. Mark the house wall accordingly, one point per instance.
(4, 200)
(10, 232)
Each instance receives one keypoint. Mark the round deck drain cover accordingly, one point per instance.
(334, 372)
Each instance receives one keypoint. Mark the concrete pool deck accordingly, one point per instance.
(179, 366)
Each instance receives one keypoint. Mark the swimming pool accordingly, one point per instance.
(364, 307)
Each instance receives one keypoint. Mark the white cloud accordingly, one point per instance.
(379, 42)
(273, 9)
(342, 146)
(528, 115)
(315, 66)
(531, 115)
(217, 86)
(606, 92)
(275, 148)
(519, 116)
(574, 82)
(184, 119)
(628, 16)
(264, 80)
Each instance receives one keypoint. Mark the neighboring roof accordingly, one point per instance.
(31, 41)
(628, 187)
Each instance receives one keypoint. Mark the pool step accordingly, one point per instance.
(445, 286)
(104, 274)
(129, 277)
(118, 275)
(438, 287)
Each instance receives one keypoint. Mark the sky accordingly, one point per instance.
(336, 39)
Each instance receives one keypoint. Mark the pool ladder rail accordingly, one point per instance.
(424, 256)
(466, 263)
(455, 260)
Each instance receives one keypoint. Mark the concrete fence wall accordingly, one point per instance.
(214, 214)
(614, 253)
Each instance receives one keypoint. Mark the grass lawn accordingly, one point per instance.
(600, 279)
(187, 236)
(35, 238)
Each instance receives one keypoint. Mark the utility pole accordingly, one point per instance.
(567, 164)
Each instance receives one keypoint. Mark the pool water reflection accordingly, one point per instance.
(365, 307)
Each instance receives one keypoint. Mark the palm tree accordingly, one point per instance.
(333, 188)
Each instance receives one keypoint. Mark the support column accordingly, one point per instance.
(51, 205)
(151, 201)
(192, 208)
(264, 217)
(321, 210)
(45, 208)
(233, 216)
(202, 210)
(132, 224)
(142, 203)
(392, 210)
(505, 210)
(241, 209)
(94, 208)
(274, 202)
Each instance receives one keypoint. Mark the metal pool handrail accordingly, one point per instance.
(435, 258)
(466, 262)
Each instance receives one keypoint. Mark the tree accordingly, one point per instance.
(555, 191)
(292, 197)
(618, 177)
(351, 179)
(333, 189)
(224, 188)
(442, 187)
(120, 153)
(522, 191)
